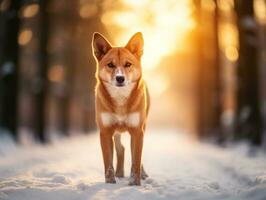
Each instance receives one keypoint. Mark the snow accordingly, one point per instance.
(178, 168)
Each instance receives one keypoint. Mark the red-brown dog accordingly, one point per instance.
(122, 103)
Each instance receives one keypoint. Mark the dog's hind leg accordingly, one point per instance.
(120, 153)
(143, 173)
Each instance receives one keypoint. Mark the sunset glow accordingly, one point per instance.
(164, 26)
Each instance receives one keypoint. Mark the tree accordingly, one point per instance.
(40, 114)
(9, 64)
(248, 123)
(209, 82)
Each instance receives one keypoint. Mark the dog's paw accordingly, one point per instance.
(109, 176)
(134, 181)
(144, 175)
(110, 180)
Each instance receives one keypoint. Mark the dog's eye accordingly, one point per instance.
(128, 64)
(111, 65)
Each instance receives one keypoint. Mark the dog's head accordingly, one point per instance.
(118, 66)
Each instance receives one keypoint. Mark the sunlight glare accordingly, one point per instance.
(164, 26)
(30, 10)
(56, 73)
(228, 35)
(226, 5)
(231, 53)
(260, 10)
(160, 82)
(25, 37)
(208, 5)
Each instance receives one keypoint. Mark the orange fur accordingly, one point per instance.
(120, 109)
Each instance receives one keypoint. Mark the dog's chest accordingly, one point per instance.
(130, 119)
(120, 95)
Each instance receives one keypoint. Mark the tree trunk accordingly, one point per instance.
(248, 115)
(217, 80)
(209, 81)
(42, 76)
(9, 67)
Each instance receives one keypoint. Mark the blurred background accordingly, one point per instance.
(204, 62)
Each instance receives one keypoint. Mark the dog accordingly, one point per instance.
(121, 103)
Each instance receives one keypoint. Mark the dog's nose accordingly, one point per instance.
(120, 79)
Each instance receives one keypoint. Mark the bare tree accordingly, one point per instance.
(248, 115)
(40, 115)
(9, 51)
(209, 88)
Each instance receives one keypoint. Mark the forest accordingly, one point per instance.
(47, 69)
(205, 65)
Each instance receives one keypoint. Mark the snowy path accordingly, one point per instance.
(178, 167)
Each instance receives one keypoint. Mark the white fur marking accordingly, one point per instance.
(119, 72)
(107, 118)
(119, 94)
(120, 118)
(132, 119)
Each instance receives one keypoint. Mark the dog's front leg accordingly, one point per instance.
(106, 137)
(136, 152)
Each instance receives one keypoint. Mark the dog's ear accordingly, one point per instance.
(100, 46)
(135, 44)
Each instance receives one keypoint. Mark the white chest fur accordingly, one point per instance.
(120, 94)
(131, 119)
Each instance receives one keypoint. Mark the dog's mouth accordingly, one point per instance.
(120, 84)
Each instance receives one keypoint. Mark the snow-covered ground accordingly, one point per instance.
(179, 168)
